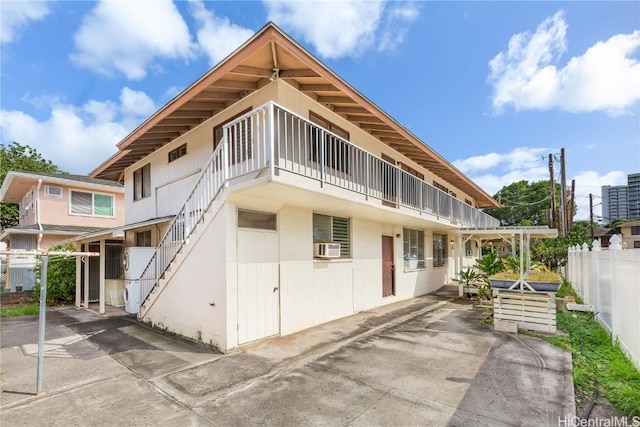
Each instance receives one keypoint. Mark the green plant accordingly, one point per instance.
(20, 310)
(468, 277)
(490, 264)
(534, 276)
(485, 292)
(61, 277)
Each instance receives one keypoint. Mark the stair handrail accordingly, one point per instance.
(182, 225)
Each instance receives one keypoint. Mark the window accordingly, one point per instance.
(257, 220)
(53, 191)
(413, 248)
(333, 229)
(177, 153)
(467, 201)
(334, 150)
(467, 248)
(142, 182)
(636, 244)
(439, 250)
(635, 230)
(440, 187)
(91, 204)
(239, 137)
(143, 238)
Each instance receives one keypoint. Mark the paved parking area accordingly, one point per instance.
(427, 361)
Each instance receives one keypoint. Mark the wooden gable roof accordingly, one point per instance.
(269, 54)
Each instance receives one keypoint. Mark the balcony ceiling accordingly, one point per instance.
(271, 54)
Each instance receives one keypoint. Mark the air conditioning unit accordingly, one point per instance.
(326, 250)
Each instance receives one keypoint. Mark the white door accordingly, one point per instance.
(258, 285)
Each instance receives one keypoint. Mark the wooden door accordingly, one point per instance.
(387, 266)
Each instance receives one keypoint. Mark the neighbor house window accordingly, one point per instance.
(91, 204)
(439, 250)
(52, 191)
(635, 230)
(413, 243)
(334, 229)
(334, 150)
(177, 153)
(143, 238)
(142, 182)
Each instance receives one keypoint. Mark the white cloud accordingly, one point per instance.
(15, 15)
(605, 78)
(78, 139)
(217, 36)
(128, 37)
(345, 28)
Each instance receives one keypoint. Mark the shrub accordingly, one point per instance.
(61, 277)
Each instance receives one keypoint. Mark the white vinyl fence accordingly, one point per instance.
(609, 281)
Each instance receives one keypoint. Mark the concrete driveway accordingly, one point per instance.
(427, 361)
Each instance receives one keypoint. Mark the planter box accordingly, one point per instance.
(537, 286)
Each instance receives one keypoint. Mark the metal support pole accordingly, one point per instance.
(41, 324)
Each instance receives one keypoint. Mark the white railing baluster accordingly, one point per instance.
(249, 145)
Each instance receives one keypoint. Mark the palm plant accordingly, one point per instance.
(468, 277)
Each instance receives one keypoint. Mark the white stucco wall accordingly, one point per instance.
(184, 306)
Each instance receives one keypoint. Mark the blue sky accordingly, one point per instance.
(492, 86)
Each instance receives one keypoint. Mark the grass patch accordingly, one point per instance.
(21, 310)
(595, 356)
(567, 290)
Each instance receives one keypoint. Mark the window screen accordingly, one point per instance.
(413, 243)
(328, 228)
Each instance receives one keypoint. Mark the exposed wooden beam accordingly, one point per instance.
(251, 71)
(235, 84)
(201, 106)
(158, 134)
(189, 114)
(213, 93)
(179, 121)
(376, 126)
(335, 100)
(292, 74)
(318, 88)
(168, 128)
(362, 119)
(350, 110)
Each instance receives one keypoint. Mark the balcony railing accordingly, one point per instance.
(271, 138)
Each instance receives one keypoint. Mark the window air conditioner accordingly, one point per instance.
(326, 250)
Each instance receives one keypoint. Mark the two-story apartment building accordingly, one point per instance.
(294, 200)
(53, 208)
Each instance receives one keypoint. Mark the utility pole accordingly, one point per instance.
(571, 203)
(591, 214)
(554, 222)
(563, 196)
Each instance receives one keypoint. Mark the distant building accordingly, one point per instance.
(622, 201)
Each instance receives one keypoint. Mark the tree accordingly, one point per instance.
(18, 157)
(553, 252)
(524, 203)
(61, 276)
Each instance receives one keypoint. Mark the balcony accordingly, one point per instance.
(273, 138)
(272, 141)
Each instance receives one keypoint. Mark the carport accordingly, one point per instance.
(516, 237)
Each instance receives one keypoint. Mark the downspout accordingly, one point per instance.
(38, 213)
